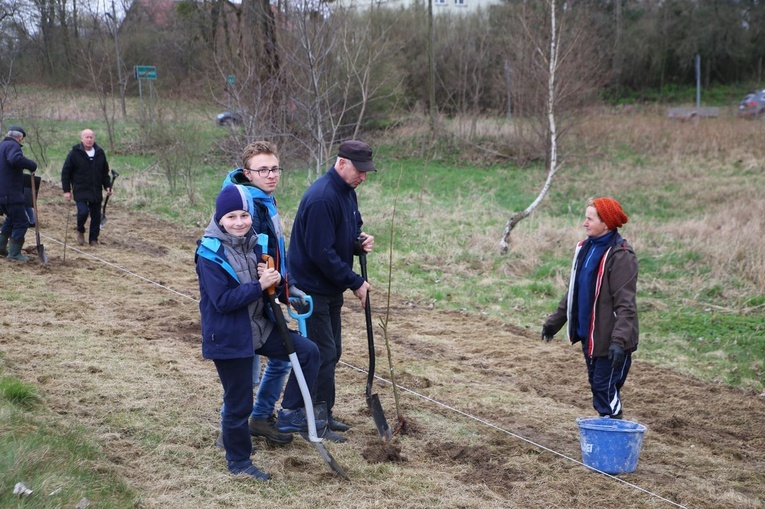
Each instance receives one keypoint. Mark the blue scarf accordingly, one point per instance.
(270, 203)
(593, 249)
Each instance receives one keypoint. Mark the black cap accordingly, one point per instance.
(359, 153)
(18, 128)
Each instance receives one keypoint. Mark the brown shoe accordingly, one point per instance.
(80, 239)
(94, 243)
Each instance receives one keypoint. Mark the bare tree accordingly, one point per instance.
(8, 56)
(121, 74)
(564, 64)
(339, 65)
(97, 66)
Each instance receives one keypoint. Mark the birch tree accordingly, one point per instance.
(561, 59)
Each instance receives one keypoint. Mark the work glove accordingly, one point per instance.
(616, 356)
(547, 334)
(299, 294)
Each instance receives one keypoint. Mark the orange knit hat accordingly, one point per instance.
(610, 211)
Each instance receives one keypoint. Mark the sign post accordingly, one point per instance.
(230, 80)
(149, 73)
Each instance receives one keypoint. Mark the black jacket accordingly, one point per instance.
(84, 175)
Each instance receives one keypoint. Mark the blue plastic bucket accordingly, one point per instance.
(610, 445)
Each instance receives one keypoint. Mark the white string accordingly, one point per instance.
(405, 389)
(519, 437)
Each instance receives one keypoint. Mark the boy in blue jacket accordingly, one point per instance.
(236, 326)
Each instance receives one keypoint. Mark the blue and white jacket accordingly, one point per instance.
(234, 319)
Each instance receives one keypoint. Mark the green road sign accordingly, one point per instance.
(145, 72)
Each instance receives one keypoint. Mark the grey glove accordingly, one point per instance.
(299, 294)
(616, 356)
(547, 335)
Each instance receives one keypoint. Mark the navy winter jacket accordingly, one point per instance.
(227, 325)
(323, 239)
(12, 166)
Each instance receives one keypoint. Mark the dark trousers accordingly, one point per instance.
(85, 208)
(606, 382)
(323, 327)
(16, 222)
(236, 378)
(308, 357)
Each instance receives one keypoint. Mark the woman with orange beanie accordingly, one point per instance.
(600, 305)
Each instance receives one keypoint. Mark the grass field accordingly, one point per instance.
(694, 195)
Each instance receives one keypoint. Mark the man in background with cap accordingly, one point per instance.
(12, 166)
(320, 259)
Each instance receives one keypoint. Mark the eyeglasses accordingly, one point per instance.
(265, 172)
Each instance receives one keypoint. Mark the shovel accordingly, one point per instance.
(103, 211)
(40, 248)
(301, 317)
(281, 325)
(373, 400)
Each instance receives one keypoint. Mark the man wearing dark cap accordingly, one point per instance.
(320, 259)
(12, 166)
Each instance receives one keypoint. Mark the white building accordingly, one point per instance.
(439, 6)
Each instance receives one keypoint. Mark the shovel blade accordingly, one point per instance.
(103, 221)
(373, 401)
(327, 457)
(41, 253)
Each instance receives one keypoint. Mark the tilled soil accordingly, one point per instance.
(110, 334)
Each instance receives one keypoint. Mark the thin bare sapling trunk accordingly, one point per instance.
(401, 423)
(552, 134)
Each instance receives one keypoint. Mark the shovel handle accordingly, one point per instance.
(111, 186)
(281, 322)
(370, 333)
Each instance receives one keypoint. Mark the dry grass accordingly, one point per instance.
(125, 364)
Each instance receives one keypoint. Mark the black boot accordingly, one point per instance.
(4, 243)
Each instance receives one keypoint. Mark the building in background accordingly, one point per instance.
(439, 6)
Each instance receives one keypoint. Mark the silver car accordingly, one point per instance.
(753, 105)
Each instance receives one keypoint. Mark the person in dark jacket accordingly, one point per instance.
(236, 325)
(600, 305)
(320, 258)
(86, 173)
(12, 166)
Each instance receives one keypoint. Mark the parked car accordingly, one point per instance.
(753, 105)
(228, 118)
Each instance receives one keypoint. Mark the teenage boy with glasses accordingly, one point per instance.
(260, 175)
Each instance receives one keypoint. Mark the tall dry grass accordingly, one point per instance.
(707, 174)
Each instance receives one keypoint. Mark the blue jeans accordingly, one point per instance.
(324, 329)
(308, 357)
(606, 382)
(271, 385)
